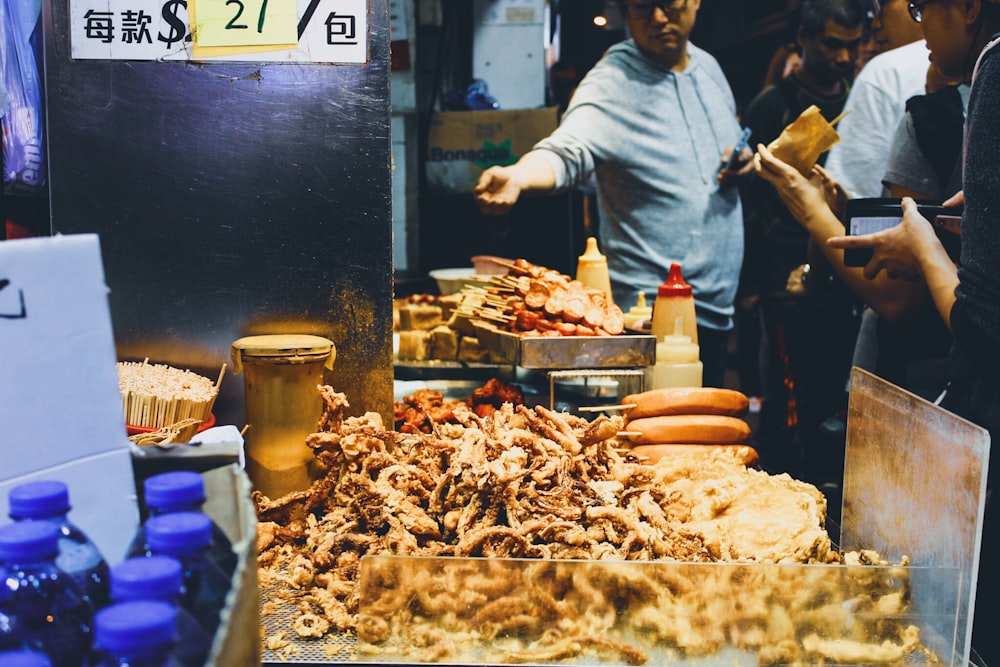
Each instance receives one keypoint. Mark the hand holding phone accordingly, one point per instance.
(734, 157)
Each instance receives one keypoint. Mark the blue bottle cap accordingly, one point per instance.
(28, 541)
(178, 533)
(25, 658)
(135, 627)
(174, 491)
(145, 578)
(38, 500)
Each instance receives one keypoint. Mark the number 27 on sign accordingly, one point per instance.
(245, 22)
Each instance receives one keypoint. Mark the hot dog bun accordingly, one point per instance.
(653, 453)
(694, 429)
(686, 401)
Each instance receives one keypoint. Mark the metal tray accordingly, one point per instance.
(565, 352)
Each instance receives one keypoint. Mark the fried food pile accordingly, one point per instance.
(536, 484)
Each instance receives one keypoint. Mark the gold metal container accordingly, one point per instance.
(283, 406)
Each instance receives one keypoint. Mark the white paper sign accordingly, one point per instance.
(329, 31)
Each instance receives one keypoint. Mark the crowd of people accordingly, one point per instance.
(914, 90)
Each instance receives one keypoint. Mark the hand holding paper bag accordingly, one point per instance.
(804, 139)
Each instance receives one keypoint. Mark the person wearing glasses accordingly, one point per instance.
(964, 39)
(878, 100)
(652, 121)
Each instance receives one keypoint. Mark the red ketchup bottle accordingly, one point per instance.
(673, 300)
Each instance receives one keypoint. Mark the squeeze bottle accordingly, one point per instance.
(673, 300)
(592, 269)
(638, 313)
(677, 360)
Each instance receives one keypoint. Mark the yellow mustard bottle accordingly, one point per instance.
(673, 300)
(639, 313)
(592, 269)
(677, 360)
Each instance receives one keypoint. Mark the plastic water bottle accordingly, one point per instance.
(54, 613)
(79, 557)
(162, 578)
(11, 633)
(182, 491)
(140, 633)
(24, 658)
(187, 537)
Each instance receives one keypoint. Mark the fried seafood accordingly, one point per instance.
(420, 411)
(532, 483)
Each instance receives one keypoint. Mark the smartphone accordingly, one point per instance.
(741, 143)
(870, 215)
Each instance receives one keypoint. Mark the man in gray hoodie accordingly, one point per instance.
(652, 120)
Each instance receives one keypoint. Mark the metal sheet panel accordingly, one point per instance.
(915, 485)
(231, 200)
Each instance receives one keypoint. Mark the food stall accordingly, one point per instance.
(227, 247)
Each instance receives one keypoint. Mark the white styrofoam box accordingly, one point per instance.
(61, 411)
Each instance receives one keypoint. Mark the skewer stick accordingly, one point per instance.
(839, 118)
(218, 382)
(495, 315)
(601, 408)
(507, 265)
(501, 303)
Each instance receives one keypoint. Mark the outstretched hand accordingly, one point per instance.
(496, 192)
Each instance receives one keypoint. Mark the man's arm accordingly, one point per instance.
(499, 188)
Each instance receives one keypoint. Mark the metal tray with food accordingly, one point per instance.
(561, 352)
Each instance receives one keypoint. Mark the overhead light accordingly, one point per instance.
(601, 21)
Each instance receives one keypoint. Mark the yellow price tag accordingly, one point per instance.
(234, 23)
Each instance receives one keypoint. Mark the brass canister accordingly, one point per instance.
(280, 377)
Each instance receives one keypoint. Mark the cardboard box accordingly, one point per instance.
(237, 641)
(461, 144)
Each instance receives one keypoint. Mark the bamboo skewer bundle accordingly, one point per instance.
(157, 395)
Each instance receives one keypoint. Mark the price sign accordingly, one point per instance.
(319, 31)
(244, 22)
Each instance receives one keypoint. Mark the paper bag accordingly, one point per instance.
(804, 139)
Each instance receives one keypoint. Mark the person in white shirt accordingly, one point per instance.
(877, 101)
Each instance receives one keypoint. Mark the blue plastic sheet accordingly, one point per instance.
(24, 163)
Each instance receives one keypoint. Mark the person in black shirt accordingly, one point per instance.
(809, 338)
